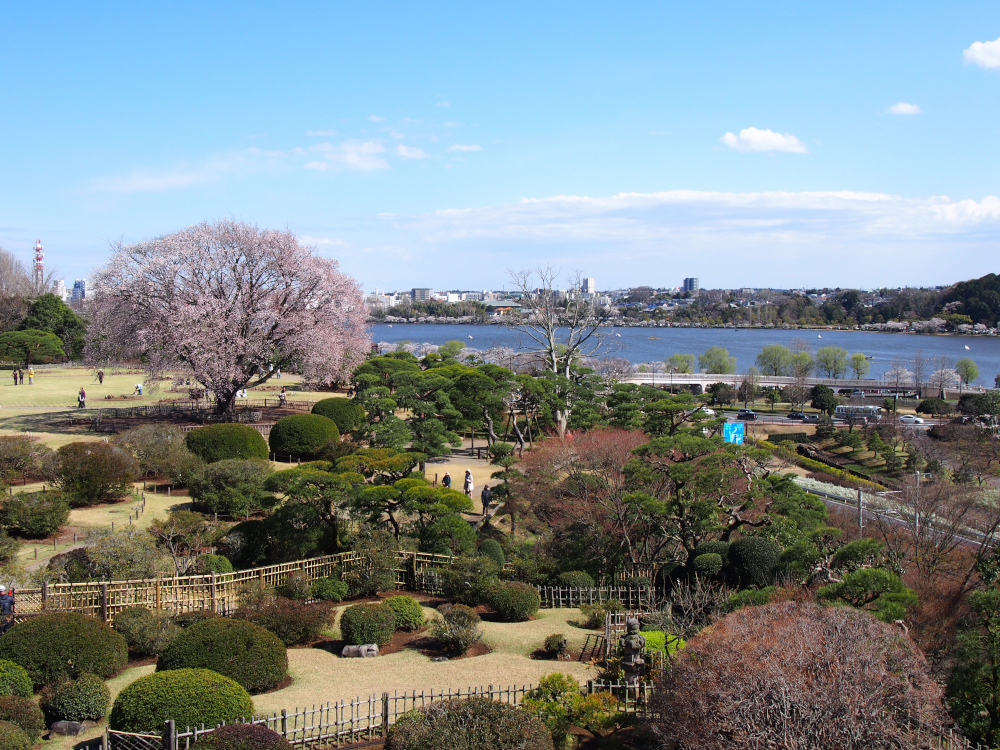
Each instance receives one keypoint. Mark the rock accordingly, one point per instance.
(72, 728)
(360, 652)
(440, 658)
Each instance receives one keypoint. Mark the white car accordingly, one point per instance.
(706, 411)
(910, 419)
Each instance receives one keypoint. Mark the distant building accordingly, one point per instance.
(589, 286)
(79, 290)
(59, 289)
(421, 294)
(691, 285)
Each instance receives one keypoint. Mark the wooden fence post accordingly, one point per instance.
(385, 715)
(215, 601)
(284, 723)
(45, 593)
(169, 735)
(104, 602)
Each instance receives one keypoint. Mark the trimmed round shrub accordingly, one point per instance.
(219, 442)
(346, 414)
(92, 473)
(12, 737)
(35, 515)
(713, 548)
(191, 697)
(491, 548)
(294, 623)
(753, 560)
(63, 645)
(456, 627)
(368, 623)
(409, 614)
(576, 579)
(14, 679)
(232, 487)
(238, 649)
(513, 601)
(213, 564)
(469, 725)
(84, 699)
(187, 619)
(329, 589)
(707, 565)
(302, 435)
(146, 631)
(25, 713)
(243, 737)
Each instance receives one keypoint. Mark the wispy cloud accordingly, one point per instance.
(754, 139)
(444, 103)
(411, 152)
(465, 147)
(454, 124)
(321, 133)
(184, 175)
(351, 154)
(984, 54)
(376, 118)
(904, 108)
(323, 241)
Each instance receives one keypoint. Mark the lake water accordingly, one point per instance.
(640, 345)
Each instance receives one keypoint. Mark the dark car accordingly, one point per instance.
(796, 415)
(810, 417)
(746, 415)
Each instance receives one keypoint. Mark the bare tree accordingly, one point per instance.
(612, 370)
(15, 288)
(919, 372)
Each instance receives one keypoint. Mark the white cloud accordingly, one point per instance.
(411, 152)
(185, 175)
(321, 133)
(453, 124)
(352, 154)
(444, 103)
(754, 139)
(376, 118)
(984, 54)
(903, 108)
(465, 147)
(323, 241)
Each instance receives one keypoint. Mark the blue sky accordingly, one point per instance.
(433, 144)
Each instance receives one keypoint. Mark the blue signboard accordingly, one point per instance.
(732, 432)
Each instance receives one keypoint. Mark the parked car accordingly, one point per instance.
(706, 411)
(810, 417)
(857, 394)
(746, 415)
(910, 419)
(796, 415)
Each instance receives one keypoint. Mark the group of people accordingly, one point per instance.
(18, 376)
(486, 496)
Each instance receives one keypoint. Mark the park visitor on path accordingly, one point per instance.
(487, 498)
(283, 396)
(31, 375)
(100, 377)
(81, 399)
(20, 377)
(6, 609)
(469, 487)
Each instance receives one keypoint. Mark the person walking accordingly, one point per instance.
(446, 480)
(469, 487)
(20, 376)
(487, 498)
(100, 377)
(31, 375)
(14, 373)
(6, 609)
(81, 399)
(283, 397)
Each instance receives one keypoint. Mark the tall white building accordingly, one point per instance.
(59, 289)
(589, 286)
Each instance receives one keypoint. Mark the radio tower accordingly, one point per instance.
(39, 265)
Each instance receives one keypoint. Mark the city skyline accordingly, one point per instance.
(640, 143)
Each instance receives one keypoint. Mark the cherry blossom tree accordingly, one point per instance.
(231, 304)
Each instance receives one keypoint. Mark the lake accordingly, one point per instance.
(640, 345)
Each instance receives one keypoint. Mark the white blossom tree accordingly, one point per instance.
(229, 303)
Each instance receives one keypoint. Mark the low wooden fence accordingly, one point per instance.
(561, 597)
(363, 719)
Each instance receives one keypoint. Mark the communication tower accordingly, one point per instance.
(39, 265)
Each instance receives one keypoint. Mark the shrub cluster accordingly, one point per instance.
(219, 442)
(513, 601)
(294, 623)
(491, 548)
(213, 564)
(243, 737)
(302, 435)
(25, 713)
(707, 565)
(35, 515)
(12, 737)
(296, 586)
(346, 414)
(92, 473)
(233, 486)
(469, 725)
(753, 560)
(62, 645)
(329, 589)
(187, 619)
(191, 697)
(409, 614)
(576, 579)
(468, 580)
(14, 679)
(456, 627)
(146, 631)
(84, 699)
(247, 653)
(595, 614)
(368, 623)
(555, 644)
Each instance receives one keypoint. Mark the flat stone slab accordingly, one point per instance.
(71, 728)
(360, 652)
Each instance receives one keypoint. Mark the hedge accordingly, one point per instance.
(240, 650)
(242, 737)
(25, 713)
(513, 601)
(491, 548)
(346, 414)
(63, 645)
(84, 699)
(12, 737)
(818, 466)
(213, 564)
(294, 623)
(191, 697)
(218, 442)
(469, 725)
(753, 560)
(302, 435)
(330, 589)
(14, 679)
(35, 515)
(368, 623)
(409, 614)
(576, 579)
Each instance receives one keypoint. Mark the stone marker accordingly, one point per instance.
(73, 728)
(360, 652)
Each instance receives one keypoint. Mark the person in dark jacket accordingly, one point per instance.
(6, 609)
